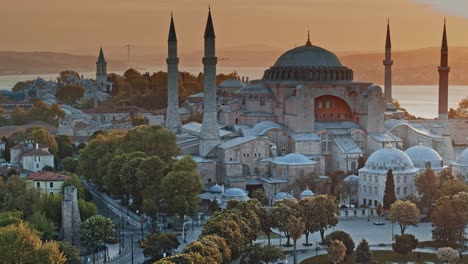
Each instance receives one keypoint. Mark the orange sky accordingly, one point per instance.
(338, 25)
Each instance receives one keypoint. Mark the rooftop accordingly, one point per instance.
(47, 176)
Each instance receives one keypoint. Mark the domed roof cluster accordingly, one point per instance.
(293, 159)
(422, 155)
(308, 63)
(389, 158)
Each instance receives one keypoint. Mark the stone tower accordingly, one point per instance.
(444, 70)
(209, 131)
(101, 71)
(172, 113)
(388, 62)
(70, 216)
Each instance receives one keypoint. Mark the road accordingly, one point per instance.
(113, 210)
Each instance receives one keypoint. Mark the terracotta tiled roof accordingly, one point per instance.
(47, 176)
(36, 152)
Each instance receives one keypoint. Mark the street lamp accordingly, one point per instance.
(141, 222)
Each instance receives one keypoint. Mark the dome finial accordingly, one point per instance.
(308, 43)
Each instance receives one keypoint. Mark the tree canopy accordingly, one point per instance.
(405, 213)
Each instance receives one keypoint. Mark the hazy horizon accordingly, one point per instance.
(80, 27)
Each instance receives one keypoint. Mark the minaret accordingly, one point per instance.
(388, 62)
(209, 131)
(444, 70)
(172, 112)
(101, 71)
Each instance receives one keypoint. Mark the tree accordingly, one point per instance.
(18, 117)
(427, 185)
(94, 231)
(258, 254)
(22, 244)
(280, 212)
(336, 251)
(450, 217)
(65, 146)
(405, 213)
(363, 253)
(40, 135)
(379, 210)
(210, 254)
(64, 76)
(69, 164)
(224, 226)
(87, 209)
(325, 213)
(309, 219)
(181, 186)
(40, 222)
(70, 93)
(404, 244)
(343, 237)
(220, 244)
(157, 244)
(71, 253)
(461, 112)
(248, 210)
(389, 194)
(149, 175)
(296, 228)
(259, 194)
(10, 218)
(17, 196)
(448, 254)
(76, 182)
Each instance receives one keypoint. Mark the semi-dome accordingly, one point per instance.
(231, 83)
(463, 159)
(293, 159)
(261, 128)
(389, 158)
(308, 56)
(422, 156)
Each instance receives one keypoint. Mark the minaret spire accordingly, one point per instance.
(172, 112)
(101, 71)
(209, 135)
(308, 43)
(444, 70)
(388, 62)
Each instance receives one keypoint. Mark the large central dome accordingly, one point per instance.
(308, 56)
(308, 63)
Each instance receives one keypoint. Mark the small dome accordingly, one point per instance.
(352, 180)
(294, 159)
(463, 159)
(307, 193)
(421, 155)
(282, 196)
(231, 83)
(308, 56)
(216, 189)
(234, 192)
(389, 158)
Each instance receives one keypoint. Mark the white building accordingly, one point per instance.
(373, 176)
(36, 159)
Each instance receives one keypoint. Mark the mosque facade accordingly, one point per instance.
(306, 115)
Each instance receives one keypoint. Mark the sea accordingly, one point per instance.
(419, 100)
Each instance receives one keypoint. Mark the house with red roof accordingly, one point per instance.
(47, 182)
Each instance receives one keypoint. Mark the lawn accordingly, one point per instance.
(381, 256)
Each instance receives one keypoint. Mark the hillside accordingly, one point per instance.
(12, 63)
(414, 67)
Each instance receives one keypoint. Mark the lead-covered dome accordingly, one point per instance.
(308, 63)
(463, 159)
(422, 156)
(294, 159)
(389, 158)
(308, 56)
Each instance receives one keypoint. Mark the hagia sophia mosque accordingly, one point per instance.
(306, 115)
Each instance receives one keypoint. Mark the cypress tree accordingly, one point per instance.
(363, 254)
(389, 195)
